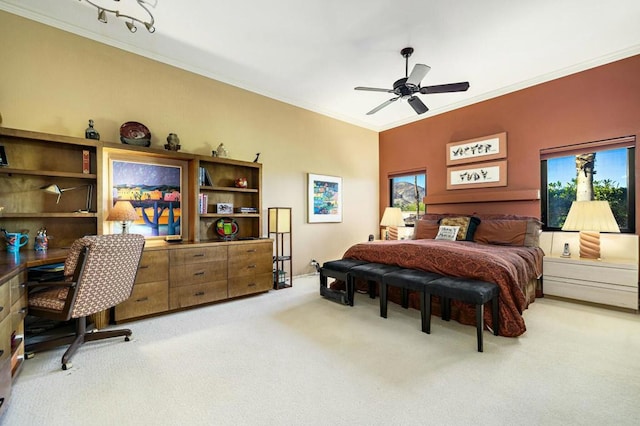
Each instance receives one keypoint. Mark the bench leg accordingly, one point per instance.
(495, 309)
(323, 281)
(383, 300)
(445, 308)
(479, 324)
(425, 312)
(372, 289)
(405, 298)
(350, 283)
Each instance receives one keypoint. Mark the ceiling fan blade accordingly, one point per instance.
(417, 74)
(417, 105)
(382, 105)
(445, 88)
(373, 89)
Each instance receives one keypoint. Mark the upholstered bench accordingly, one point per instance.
(338, 269)
(372, 273)
(464, 290)
(406, 279)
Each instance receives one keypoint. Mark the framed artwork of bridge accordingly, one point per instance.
(155, 188)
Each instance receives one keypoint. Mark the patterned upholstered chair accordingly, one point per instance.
(99, 273)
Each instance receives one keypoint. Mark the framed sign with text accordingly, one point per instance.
(483, 175)
(486, 148)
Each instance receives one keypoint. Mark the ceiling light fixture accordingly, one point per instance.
(131, 20)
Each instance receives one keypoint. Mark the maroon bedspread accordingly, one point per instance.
(512, 268)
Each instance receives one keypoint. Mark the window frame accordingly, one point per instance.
(599, 146)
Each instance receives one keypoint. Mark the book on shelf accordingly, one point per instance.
(205, 177)
(203, 202)
(246, 210)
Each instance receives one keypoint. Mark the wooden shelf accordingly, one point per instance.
(45, 214)
(230, 215)
(228, 189)
(465, 196)
(47, 173)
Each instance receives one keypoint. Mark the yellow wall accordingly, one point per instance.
(52, 81)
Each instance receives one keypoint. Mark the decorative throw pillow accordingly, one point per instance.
(447, 232)
(425, 229)
(467, 224)
(509, 232)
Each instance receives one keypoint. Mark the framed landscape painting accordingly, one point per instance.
(155, 188)
(324, 198)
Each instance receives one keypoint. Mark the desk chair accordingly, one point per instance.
(99, 273)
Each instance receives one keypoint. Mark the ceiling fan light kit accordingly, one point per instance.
(130, 20)
(409, 86)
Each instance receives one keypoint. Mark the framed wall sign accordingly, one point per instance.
(324, 196)
(486, 148)
(482, 175)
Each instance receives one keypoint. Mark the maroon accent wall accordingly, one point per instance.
(596, 104)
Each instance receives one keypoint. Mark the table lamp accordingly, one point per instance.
(122, 212)
(391, 219)
(590, 218)
(56, 190)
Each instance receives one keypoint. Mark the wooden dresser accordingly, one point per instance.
(179, 276)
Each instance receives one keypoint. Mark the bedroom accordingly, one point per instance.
(114, 86)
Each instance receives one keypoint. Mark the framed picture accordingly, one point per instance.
(3, 157)
(155, 187)
(484, 175)
(224, 208)
(486, 148)
(324, 195)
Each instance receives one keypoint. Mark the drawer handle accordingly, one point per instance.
(1, 352)
(142, 299)
(144, 267)
(251, 251)
(251, 266)
(251, 285)
(22, 285)
(199, 273)
(1, 308)
(22, 311)
(200, 293)
(199, 255)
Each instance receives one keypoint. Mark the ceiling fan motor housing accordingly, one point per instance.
(403, 90)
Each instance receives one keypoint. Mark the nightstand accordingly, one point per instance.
(611, 281)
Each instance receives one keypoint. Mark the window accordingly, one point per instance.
(407, 192)
(601, 170)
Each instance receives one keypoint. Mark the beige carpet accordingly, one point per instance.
(293, 358)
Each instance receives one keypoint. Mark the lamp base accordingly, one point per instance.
(590, 245)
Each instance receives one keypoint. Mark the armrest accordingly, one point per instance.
(31, 285)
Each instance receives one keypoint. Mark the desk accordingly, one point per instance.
(13, 301)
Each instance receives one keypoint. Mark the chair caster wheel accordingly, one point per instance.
(127, 338)
(29, 355)
(66, 366)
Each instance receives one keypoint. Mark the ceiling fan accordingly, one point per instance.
(409, 86)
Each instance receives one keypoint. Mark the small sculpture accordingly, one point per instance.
(91, 133)
(173, 142)
(241, 182)
(222, 151)
(42, 240)
(256, 159)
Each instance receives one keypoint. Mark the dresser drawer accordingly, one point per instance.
(5, 339)
(5, 300)
(18, 313)
(182, 297)
(248, 285)
(198, 255)
(607, 294)
(5, 384)
(598, 272)
(248, 260)
(198, 273)
(18, 287)
(154, 266)
(146, 299)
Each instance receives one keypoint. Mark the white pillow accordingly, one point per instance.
(447, 233)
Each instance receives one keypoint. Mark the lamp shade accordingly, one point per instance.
(122, 211)
(590, 216)
(392, 217)
(280, 219)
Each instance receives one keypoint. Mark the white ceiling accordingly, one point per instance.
(312, 53)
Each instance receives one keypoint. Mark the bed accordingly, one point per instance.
(503, 249)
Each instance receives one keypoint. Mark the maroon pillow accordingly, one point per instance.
(426, 229)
